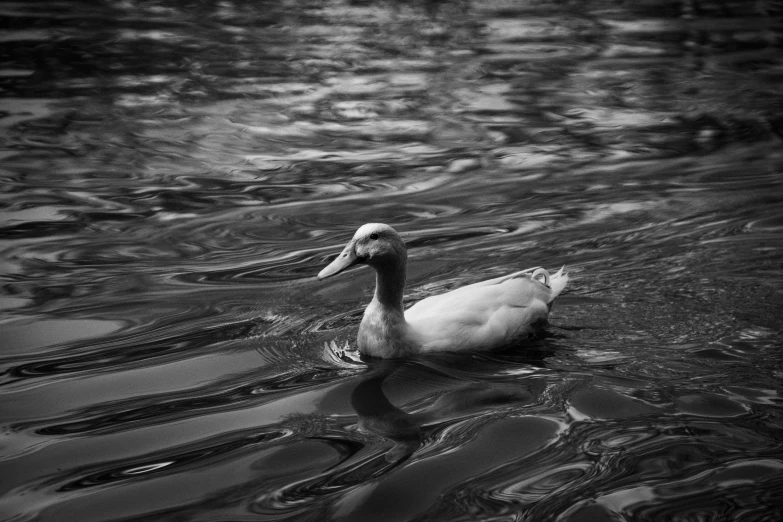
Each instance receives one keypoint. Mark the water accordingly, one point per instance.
(175, 174)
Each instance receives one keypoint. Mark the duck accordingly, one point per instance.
(482, 316)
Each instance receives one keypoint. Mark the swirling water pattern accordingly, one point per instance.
(174, 174)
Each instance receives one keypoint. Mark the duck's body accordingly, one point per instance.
(482, 316)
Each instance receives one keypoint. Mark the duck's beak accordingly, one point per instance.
(347, 258)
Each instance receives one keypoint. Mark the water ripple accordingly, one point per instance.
(174, 176)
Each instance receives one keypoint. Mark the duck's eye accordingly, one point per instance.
(373, 236)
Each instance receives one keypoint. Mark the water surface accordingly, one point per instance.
(175, 174)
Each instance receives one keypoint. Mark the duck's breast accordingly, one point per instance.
(384, 333)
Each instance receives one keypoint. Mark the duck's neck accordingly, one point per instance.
(384, 331)
(389, 287)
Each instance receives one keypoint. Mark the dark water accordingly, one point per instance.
(174, 174)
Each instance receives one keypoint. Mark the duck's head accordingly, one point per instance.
(375, 244)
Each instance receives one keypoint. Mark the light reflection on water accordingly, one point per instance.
(173, 176)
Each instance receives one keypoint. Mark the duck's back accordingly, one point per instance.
(484, 315)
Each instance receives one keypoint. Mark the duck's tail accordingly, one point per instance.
(558, 282)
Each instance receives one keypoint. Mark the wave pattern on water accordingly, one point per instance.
(174, 175)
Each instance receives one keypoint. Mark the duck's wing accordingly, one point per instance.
(484, 315)
(548, 288)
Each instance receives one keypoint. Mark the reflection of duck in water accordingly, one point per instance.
(362, 473)
(378, 416)
(481, 316)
